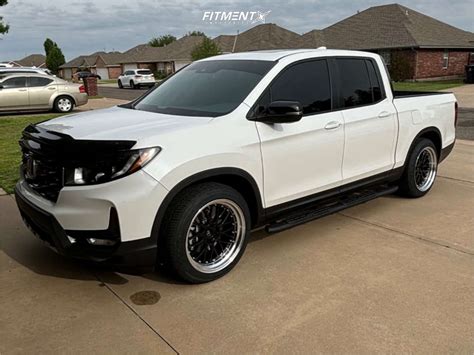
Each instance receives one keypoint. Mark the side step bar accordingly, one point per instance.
(329, 207)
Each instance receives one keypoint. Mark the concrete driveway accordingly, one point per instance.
(392, 275)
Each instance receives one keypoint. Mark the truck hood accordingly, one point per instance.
(118, 123)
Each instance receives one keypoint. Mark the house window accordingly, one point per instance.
(445, 59)
(386, 56)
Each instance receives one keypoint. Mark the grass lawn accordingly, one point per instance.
(108, 81)
(427, 85)
(10, 132)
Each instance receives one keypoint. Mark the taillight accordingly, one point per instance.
(455, 114)
(82, 89)
(138, 76)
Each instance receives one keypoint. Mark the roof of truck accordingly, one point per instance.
(277, 54)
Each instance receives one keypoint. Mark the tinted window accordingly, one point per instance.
(374, 82)
(209, 88)
(307, 83)
(14, 83)
(35, 81)
(355, 83)
(144, 72)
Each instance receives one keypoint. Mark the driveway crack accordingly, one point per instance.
(135, 312)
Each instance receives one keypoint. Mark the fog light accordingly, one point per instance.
(95, 241)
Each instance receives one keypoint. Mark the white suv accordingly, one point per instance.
(136, 78)
(229, 144)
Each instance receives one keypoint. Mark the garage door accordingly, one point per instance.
(67, 74)
(129, 66)
(104, 73)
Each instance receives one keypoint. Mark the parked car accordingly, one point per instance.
(85, 74)
(21, 92)
(25, 70)
(6, 65)
(136, 78)
(226, 145)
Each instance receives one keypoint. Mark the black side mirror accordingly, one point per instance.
(282, 112)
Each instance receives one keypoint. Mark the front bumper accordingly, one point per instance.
(121, 212)
(138, 253)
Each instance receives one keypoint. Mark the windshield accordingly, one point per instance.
(144, 72)
(209, 88)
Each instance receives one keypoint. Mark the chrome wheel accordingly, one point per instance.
(425, 168)
(64, 104)
(215, 236)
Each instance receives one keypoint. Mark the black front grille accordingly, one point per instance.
(43, 175)
(46, 154)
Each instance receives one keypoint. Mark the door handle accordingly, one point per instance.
(21, 89)
(332, 125)
(51, 88)
(384, 114)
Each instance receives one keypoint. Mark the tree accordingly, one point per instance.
(195, 33)
(207, 48)
(3, 27)
(161, 41)
(48, 45)
(54, 58)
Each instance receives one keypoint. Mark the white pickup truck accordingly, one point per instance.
(180, 176)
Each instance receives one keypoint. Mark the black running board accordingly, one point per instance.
(329, 207)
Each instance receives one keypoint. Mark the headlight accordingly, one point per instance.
(108, 169)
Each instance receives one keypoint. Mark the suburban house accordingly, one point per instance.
(414, 46)
(167, 59)
(33, 60)
(102, 63)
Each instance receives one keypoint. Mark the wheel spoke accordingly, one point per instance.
(215, 235)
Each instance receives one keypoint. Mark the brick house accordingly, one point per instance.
(414, 46)
(102, 63)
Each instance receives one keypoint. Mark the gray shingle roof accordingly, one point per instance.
(394, 26)
(33, 60)
(178, 50)
(109, 58)
(266, 36)
(225, 43)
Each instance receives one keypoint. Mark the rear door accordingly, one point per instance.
(305, 157)
(40, 90)
(370, 119)
(14, 93)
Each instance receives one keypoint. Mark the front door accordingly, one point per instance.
(305, 157)
(14, 93)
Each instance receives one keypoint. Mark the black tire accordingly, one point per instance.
(120, 85)
(408, 183)
(132, 85)
(60, 104)
(180, 223)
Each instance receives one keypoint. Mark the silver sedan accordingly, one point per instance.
(21, 92)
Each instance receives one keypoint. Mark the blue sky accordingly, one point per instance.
(82, 27)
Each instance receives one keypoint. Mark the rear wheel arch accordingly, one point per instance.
(236, 178)
(431, 133)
